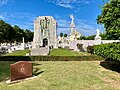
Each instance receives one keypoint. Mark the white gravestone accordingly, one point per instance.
(23, 44)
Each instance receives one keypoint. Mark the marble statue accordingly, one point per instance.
(97, 37)
(72, 22)
(98, 32)
(74, 34)
(72, 17)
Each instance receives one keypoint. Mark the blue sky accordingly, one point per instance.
(24, 12)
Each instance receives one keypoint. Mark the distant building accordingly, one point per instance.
(45, 32)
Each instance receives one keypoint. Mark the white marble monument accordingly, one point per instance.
(74, 34)
(97, 37)
(23, 44)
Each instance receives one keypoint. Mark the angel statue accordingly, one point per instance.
(72, 22)
(72, 17)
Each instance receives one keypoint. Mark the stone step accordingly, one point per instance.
(40, 51)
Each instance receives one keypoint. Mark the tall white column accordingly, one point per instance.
(23, 44)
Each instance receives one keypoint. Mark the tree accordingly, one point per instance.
(103, 36)
(65, 35)
(28, 36)
(110, 17)
(19, 33)
(90, 37)
(11, 34)
(61, 34)
(6, 32)
(1, 37)
(82, 38)
(1, 31)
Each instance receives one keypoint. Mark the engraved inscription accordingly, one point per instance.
(22, 69)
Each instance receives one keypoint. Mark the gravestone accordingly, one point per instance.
(20, 70)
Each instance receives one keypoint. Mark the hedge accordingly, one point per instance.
(108, 51)
(51, 58)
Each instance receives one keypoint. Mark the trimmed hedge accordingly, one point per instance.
(108, 51)
(51, 58)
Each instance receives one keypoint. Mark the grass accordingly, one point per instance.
(4, 70)
(72, 75)
(54, 52)
(66, 52)
(18, 53)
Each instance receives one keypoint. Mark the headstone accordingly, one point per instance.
(9, 51)
(20, 70)
(13, 49)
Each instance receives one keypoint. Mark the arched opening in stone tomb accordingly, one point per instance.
(45, 42)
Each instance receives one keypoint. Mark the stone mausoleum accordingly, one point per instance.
(45, 32)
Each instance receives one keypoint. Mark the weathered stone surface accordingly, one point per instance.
(40, 51)
(45, 32)
(20, 70)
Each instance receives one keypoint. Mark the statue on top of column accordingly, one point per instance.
(97, 37)
(72, 22)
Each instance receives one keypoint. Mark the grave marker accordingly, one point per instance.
(20, 70)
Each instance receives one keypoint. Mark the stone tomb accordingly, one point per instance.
(20, 70)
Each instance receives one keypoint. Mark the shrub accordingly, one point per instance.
(90, 49)
(108, 51)
(80, 46)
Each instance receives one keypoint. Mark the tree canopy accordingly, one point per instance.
(15, 33)
(61, 34)
(65, 35)
(110, 17)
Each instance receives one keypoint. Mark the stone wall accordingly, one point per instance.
(86, 43)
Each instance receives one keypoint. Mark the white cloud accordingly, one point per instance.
(65, 5)
(26, 21)
(23, 20)
(63, 30)
(86, 28)
(2, 17)
(63, 23)
(71, 4)
(2, 2)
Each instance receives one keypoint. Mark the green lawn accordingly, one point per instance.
(18, 53)
(72, 75)
(66, 52)
(54, 52)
